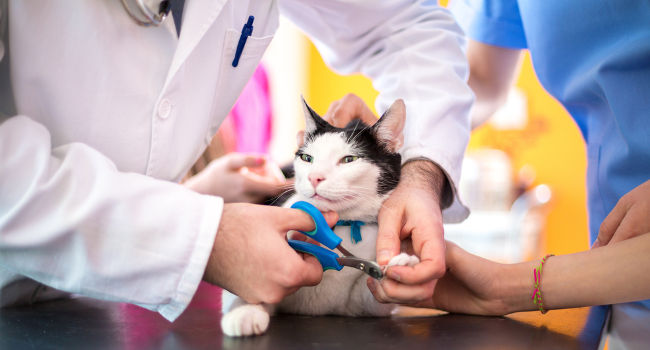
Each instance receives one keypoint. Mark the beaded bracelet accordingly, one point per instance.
(537, 291)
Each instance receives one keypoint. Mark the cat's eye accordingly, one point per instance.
(349, 159)
(306, 157)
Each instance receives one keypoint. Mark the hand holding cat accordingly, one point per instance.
(350, 107)
(251, 257)
(629, 218)
(412, 211)
(474, 285)
(239, 177)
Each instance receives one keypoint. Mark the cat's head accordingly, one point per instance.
(350, 170)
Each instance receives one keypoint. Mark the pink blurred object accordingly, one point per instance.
(248, 126)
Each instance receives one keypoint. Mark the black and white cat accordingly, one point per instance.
(351, 171)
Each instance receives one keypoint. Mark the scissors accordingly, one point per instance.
(328, 259)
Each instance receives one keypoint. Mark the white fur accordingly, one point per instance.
(246, 319)
(403, 259)
(350, 189)
(352, 186)
(339, 293)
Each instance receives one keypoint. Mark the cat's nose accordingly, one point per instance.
(315, 179)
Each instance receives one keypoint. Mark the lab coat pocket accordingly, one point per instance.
(231, 79)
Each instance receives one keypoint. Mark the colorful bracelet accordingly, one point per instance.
(537, 291)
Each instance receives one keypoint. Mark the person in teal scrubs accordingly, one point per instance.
(593, 56)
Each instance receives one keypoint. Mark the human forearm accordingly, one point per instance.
(72, 221)
(612, 274)
(428, 176)
(412, 50)
(492, 71)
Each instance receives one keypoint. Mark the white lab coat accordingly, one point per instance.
(108, 115)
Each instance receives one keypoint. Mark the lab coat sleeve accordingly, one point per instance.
(411, 50)
(70, 220)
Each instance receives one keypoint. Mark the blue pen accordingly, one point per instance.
(245, 33)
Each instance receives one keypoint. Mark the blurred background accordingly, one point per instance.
(524, 174)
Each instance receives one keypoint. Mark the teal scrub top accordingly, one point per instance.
(594, 57)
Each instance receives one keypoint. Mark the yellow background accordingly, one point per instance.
(550, 143)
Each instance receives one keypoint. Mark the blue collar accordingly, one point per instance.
(355, 228)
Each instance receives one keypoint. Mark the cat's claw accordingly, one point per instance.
(245, 320)
(403, 259)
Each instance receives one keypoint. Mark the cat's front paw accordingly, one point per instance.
(403, 259)
(245, 320)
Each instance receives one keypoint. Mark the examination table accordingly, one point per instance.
(82, 323)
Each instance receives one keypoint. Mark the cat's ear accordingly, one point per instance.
(388, 129)
(312, 120)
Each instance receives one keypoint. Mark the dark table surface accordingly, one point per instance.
(90, 324)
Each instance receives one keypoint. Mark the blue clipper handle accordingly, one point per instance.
(322, 233)
(326, 258)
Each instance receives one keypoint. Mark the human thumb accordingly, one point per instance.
(298, 220)
(388, 242)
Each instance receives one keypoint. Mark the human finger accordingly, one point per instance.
(431, 265)
(295, 219)
(264, 185)
(350, 107)
(406, 294)
(296, 235)
(610, 224)
(631, 225)
(331, 110)
(238, 160)
(388, 242)
(378, 292)
(311, 271)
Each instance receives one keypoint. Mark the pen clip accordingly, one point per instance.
(246, 31)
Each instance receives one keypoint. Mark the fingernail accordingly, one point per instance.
(383, 257)
(259, 161)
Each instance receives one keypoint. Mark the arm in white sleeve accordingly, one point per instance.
(411, 50)
(70, 220)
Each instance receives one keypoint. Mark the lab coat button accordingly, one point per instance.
(164, 109)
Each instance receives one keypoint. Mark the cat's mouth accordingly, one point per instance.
(328, 200)
(319, 197)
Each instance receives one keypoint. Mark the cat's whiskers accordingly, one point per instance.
(281, 194)
(355, 136)
(352, 133)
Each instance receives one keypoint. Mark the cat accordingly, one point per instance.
(352, 171)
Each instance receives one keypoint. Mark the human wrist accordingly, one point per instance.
(426, 175)
(196, 184)
(516, 287)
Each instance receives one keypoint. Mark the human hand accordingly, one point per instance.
(629, 218)
(473, 285)
(239, 177)
(343, 111)
(251, 257)
(411, 211)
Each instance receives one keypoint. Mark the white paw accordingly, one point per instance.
(245, 320)
(403, 259)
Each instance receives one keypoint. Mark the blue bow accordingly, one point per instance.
(355, 228)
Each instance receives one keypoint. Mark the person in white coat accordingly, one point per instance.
(101, 117)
